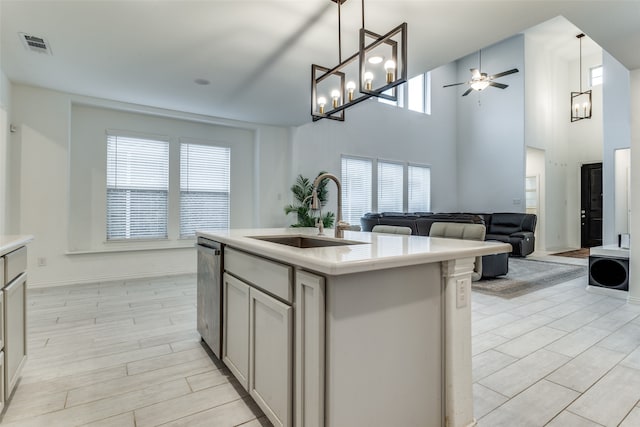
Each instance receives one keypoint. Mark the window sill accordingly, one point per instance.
(136, 247)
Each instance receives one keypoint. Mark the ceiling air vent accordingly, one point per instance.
(35, 43)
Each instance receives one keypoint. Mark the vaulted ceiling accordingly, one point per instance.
(257, 54)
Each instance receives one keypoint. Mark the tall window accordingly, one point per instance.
(419, 188)
(595, 75)
(390, 187)
(399, 187)
(417, 93)
(137, 188)
(204, 187)
(356, 188)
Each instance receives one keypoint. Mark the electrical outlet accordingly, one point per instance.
(461, 292)
(517, 201)
(42, 261)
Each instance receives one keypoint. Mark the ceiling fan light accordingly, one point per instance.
(479, 85)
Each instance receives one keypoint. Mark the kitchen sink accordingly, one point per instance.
(306, 241)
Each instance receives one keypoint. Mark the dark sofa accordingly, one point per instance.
(509, 227)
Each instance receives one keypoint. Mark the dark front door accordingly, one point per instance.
(591, 209)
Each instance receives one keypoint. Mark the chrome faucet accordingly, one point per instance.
(315, 203)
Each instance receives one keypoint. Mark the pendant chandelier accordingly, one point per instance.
(379, 66)
(580, 101)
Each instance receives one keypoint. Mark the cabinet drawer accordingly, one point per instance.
(15, 264)
(273, 277)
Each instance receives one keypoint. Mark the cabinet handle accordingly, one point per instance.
(16, 282)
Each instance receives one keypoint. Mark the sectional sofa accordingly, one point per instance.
(508, 227)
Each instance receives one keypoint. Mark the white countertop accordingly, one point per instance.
(376, 251)
(10, 242)
(610, 251)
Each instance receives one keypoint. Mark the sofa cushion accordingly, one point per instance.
(506, 223)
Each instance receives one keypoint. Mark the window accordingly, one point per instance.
(596, 75)
(399, 93)
(398, 186)
(137, 188)
(416, 93)
(356, 188)
(419, 189)
(390, 187)
(204, 187)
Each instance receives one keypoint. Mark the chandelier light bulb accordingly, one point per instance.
(576, 108)
(351, 86)
(368, 79)
(586, 107)
(335, 98)
(390, 68)
(322, 101)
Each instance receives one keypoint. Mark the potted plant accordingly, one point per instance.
(302, 190)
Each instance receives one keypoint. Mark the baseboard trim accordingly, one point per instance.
(633, 300)
(109, 278)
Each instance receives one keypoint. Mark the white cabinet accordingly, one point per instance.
(270, 356)
(235, 347)
(258, 331)
(15, 334)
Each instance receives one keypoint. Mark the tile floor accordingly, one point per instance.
(557, 357)
(127, 354)
(123, 354)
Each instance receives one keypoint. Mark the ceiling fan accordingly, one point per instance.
(480, 81)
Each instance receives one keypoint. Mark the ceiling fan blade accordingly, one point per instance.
(475, 73)
(498, 85)
(504, 73)
(455, 84)
(467, 92)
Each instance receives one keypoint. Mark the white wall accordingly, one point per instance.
(634, 257)
(40, 199)
(376, 130)
(5, 101)
(490, 153)
(549, 81)
(585, 138)
(616, 92)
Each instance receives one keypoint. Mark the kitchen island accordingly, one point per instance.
(374, 331)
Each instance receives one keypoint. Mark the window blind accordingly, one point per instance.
(204, 187)
(419, 186)
(390, 187)
(356, 189)
(137, 188)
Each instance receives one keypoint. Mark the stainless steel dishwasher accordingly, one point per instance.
(209, 293)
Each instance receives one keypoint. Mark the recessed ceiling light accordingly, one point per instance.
(202, 82)
(375, 59)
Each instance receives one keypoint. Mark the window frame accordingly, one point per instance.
(185, 142)
(375, 181)
(160, 139)
(600, 77)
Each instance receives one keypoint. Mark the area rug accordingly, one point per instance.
(527, 276)
(577, 253)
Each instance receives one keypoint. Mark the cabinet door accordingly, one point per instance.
(270, 357)
(15, 344)
(235, 338)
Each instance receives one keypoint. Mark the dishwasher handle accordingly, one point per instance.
(208, 250)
